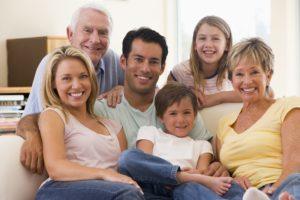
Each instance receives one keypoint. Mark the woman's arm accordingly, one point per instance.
(145, 145)
(290, 140)
(122, 140)
(57, 165)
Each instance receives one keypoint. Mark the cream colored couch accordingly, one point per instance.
(16, 183)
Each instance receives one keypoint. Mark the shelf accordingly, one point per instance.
(14, 90)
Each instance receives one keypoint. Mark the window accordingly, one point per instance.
(246, 18)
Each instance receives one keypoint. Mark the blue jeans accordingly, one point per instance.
(157, 177)
(87, 190)
(291, 185)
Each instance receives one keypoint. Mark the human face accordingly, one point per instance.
(210, 45)
(142, 67)
(72, 83)
(91, 34)
(179, 118)
(250, 81)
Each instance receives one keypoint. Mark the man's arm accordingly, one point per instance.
(32, 149)
(114, 96)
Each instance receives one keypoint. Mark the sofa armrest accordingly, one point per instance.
(212, 115)
(17, 183)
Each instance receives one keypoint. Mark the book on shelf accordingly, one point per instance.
(12, 105)
(11, 97)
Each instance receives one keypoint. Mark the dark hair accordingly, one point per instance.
(172, 93)
(147, 35)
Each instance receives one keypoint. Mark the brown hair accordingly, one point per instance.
(171, 93)
(50, 95)
(195, 63)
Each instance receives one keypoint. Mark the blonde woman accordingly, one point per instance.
(80, 149)
(259, 145)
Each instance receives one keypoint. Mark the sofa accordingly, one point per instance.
(17, 183)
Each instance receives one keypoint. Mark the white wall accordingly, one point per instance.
(50, 17)
(285, 34)
(33, 18)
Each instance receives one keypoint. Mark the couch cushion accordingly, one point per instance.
(16, 183)
(212, 115)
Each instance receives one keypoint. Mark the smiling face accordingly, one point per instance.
(179, 118)
(250, 81)
(210, 45)
(72, 83)
(142, 67)
(91, 34)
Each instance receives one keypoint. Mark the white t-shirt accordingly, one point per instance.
(183, 152)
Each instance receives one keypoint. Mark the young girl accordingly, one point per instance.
(80, 149)
(172, 151)
(206, 70)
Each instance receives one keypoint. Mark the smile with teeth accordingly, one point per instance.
(93, 48)
(143, 77)
(208, 52)
(248, 90)
(76, 94)
(181, 127)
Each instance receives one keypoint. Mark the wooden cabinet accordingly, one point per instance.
(24, 55)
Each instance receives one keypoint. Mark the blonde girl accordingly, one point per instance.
(206, 70)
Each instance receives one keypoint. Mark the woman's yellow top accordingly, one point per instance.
(256, 153)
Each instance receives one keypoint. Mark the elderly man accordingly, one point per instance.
(90, 30)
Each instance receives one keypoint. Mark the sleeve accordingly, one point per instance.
(179, 71)
(289, 104)
(34, 103)
(204, 147)
(199, 132)
(147, 133)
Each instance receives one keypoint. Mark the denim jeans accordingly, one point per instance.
(291, 185)
(87, 190)
(157, 177)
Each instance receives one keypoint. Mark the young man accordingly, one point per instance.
(143, 61)
(90, 30)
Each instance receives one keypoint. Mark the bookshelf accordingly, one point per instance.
(12, 104)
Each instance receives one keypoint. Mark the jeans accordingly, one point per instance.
(87, 190)
(157, 177)
(291, 185)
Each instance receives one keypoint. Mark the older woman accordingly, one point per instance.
(81, 150)
(260, 144)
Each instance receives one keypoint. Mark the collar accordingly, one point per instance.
(100, 67)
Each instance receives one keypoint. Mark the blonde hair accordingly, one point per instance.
(255, 50)
(195, 63)
(50, 95)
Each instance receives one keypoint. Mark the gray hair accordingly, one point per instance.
(94, 6)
